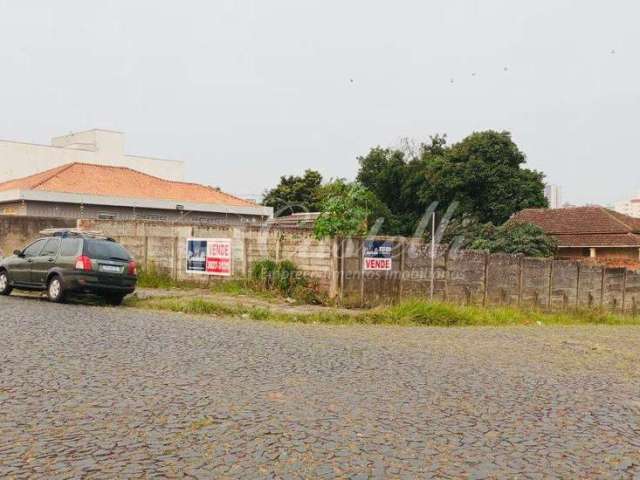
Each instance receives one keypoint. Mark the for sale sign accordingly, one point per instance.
(378, 255)
(219, 257)
(209, 256)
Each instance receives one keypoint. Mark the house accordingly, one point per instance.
(303, 221)
(98, 191)
(588, 232)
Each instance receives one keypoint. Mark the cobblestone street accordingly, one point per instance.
(93, 392)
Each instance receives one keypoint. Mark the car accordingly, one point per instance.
(66, 261)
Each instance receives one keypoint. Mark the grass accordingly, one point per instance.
(406, 313)
(152, 278)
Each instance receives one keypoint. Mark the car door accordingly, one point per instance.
(20, 271)
(44, 261)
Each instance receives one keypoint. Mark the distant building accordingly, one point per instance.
(82, 190)
(588, 232)
(553, 194)
(304, 221)
(97, 147)
(629, 207)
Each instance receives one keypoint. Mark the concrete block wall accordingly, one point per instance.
(164, 247)
(464, 277)
(16, 232)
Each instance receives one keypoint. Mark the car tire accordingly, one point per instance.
(55, 289)
(114, 300)
(5, 287)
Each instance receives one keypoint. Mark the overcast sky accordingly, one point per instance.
(245, 91)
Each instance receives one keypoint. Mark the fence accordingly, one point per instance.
(338, 265)
(479, 278)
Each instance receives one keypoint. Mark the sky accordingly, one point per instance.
(246, 91)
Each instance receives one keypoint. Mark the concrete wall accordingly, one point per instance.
(17, 232)
(464, 277)
(18, 159)
(468, 277)
(164, 246)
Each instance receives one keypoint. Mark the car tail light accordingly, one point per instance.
(83, 263)
(133, 268)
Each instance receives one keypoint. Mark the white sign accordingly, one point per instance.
(209, 256)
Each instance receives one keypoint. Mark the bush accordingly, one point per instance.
(152, 277)
(262, 273)
(285, 278)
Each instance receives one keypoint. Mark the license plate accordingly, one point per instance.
(110, 268)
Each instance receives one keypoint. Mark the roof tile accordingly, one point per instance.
(584, 226)
(84, 178)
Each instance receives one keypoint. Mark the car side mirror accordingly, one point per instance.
(17, 253)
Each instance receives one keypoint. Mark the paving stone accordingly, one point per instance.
(92, 392)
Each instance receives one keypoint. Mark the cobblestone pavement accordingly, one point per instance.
(94, 392)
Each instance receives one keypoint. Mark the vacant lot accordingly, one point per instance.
(103, 393)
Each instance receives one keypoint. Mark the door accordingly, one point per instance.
(44, 261)
(20, 269)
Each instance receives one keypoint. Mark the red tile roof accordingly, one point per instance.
(84, 178)
(584, 226)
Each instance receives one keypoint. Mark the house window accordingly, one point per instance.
(586, 252)
(107, 216)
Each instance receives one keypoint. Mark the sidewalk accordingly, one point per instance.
(274, 304)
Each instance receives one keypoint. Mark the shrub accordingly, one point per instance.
(284, 278)
(152, 277)
(262, 273)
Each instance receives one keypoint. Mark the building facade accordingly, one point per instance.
(97, 147)
(553, 194)
(629, 207)
(88, 191)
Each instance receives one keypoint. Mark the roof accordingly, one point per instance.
(584, 226)
(304, 220)
(112, 181)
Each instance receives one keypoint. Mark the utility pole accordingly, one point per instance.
(433, 253)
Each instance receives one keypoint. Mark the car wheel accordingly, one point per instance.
(5, 287)
(55, 289)
(114, 300)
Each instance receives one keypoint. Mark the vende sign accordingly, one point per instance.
(219, 257)
(377, 264)
(377, 255)
(209, 256)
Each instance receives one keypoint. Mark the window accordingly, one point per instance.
(70, 247)
(34, 249)
(105, 250)
(51, 247)
(107, 215)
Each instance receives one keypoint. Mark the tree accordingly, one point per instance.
(484, 173)
(516, 237)
(346, 210)
(396, 182)
(377, 211)
(295, 194)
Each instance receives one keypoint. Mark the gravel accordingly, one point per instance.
(95, 392)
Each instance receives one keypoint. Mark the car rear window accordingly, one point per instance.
(105, 250)
(70, 247)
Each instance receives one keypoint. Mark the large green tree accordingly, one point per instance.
(483, 177)
(485, 174)
(295, 194)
